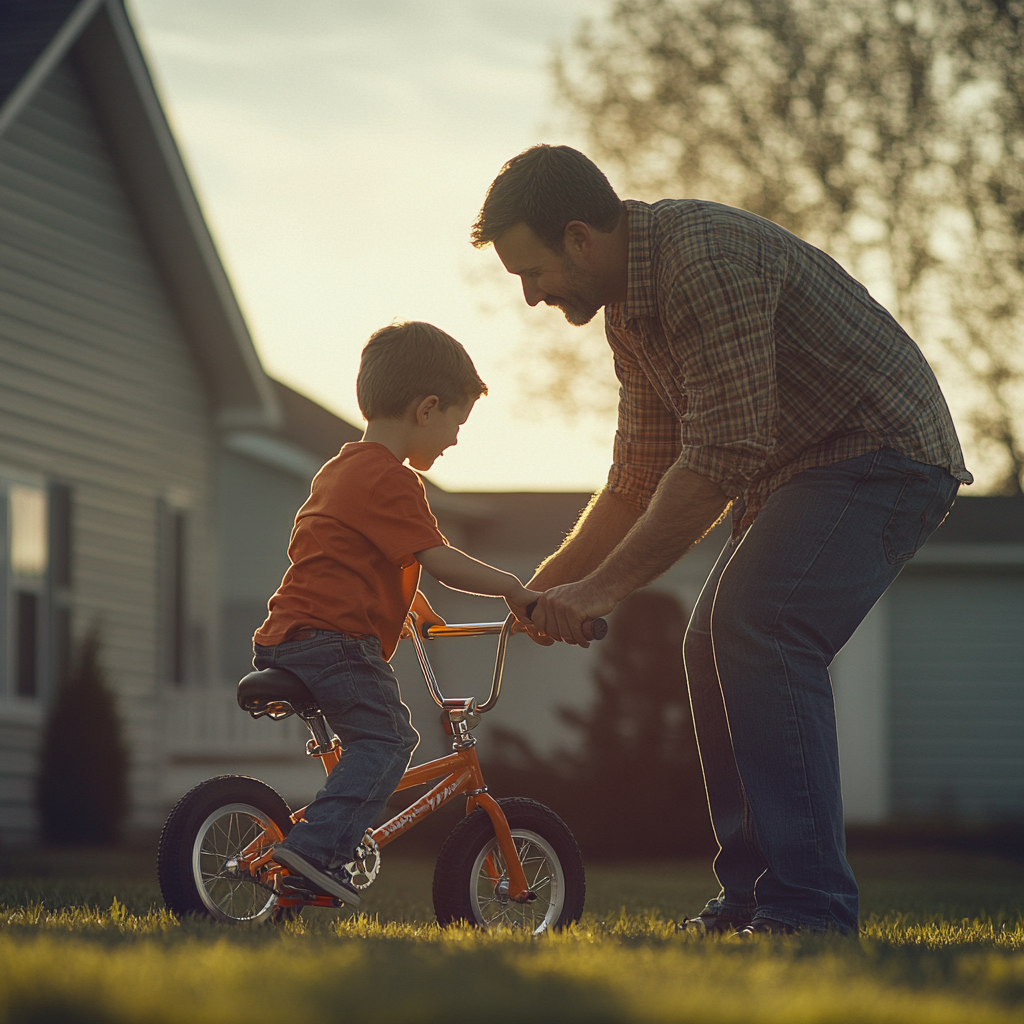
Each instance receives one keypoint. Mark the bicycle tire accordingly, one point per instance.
(214, 820)
(465, 891)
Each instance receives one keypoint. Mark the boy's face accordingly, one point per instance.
(437, 429)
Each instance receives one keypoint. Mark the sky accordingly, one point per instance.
(340, 150)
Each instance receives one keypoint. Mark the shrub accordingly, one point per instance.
(82, 788)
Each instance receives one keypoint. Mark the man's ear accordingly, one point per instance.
(578, 237)
(424, 408)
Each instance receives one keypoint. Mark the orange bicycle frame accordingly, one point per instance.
(459, 772)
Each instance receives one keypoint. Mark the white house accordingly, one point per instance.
(125, 368)
(150, 471)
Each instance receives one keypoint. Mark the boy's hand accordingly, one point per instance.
(527, 598)
(520, 600)
(425, 615)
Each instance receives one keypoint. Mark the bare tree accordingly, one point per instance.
(987, 293)
(889, 132)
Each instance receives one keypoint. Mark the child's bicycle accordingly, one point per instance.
(510, 862)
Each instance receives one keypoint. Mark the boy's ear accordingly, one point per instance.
(424, 407)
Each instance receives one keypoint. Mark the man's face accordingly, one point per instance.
(555, 279)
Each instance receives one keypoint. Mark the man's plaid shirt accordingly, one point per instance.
(748, 356)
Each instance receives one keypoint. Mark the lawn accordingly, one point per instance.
(87, 941)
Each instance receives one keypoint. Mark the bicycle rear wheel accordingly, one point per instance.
(204, 834)
(471, 880)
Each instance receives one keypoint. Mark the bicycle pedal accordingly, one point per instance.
(291, 890)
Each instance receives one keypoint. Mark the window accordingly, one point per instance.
(172, 526)
(26, 643)
(36, 549)
(60, 534)
(61, 546)
(24, 599)
(177, 595)
(28, 531)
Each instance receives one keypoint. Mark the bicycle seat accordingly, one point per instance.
(275, 692)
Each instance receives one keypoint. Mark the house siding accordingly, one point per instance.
(98, 390)
(256, 511)
(957, 694)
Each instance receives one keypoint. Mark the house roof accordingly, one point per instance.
(311, 426)
(527, 520)
(983, 520)
(97, 37)
(27, 27)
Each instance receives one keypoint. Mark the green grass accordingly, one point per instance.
(942, 941)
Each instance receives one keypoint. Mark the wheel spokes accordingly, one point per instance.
(541, 875)
(225, 838)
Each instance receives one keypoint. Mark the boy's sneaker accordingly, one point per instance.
(331, 881)
(764, 926)
(712, 924)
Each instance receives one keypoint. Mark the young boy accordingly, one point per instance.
(356, 551)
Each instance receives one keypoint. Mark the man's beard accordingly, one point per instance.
(580, 306)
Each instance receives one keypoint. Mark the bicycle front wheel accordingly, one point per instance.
(202, 839)
(471, 879)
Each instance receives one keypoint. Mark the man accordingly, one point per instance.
(755, 374)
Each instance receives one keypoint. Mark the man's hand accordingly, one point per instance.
(537, 636)
(683, 509)
(605, 521)
(562, 612)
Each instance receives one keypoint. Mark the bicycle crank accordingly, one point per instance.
(365, 865)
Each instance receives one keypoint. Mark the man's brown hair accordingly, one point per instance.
(411, 360)
(546, 187)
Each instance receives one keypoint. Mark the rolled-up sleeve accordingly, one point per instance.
(647, 435)
(728, 309)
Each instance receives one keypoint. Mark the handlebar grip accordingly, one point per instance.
(598, 627)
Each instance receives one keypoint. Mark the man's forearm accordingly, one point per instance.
(603, 524)
(684, 508)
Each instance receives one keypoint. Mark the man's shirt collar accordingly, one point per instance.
(640, 300)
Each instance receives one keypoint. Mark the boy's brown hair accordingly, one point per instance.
(406, 361)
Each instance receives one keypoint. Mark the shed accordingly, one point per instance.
(930, 689)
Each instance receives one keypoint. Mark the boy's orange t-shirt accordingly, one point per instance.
(352, 551)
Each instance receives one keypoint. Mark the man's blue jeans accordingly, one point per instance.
(774, 612)
(359, 696)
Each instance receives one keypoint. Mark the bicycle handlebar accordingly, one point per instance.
(463, 629)
(598, 627)
(599, 630)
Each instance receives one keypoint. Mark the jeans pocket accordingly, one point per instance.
(923, 502)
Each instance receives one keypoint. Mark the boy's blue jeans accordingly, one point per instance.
(774, 612)
(359, 696)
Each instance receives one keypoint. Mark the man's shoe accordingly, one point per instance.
(764, 926)
(712, 924)
(329, 881)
